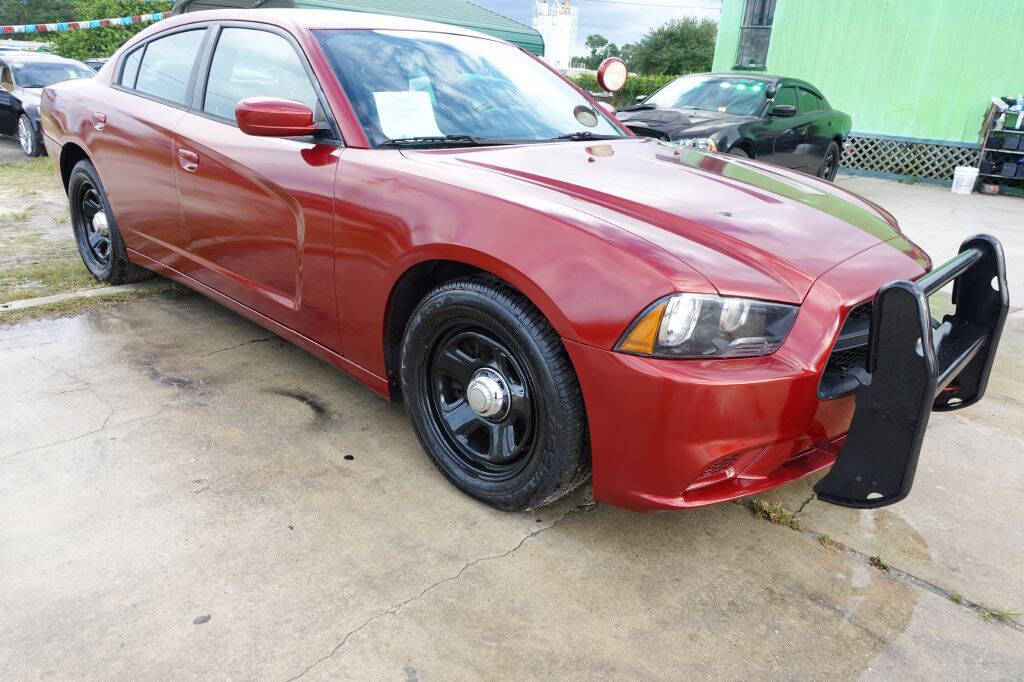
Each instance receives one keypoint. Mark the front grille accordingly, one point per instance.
(849, 353)
(718, 466)
(842, 361)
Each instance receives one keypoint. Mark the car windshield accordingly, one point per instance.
(41, 75)
(741, 96)
(439, 88)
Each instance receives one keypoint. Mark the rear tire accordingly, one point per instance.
(830, 163)
(99, 240)
(493, 396)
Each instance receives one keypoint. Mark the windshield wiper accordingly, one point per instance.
(468, 140)
(640, 107)
(584, 135)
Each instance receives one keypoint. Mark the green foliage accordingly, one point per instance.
(635, 85)
(600, 49)
(678, 46)
(102, 42)
(35, 12)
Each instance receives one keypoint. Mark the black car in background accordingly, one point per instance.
(23, 75)
(780, 120)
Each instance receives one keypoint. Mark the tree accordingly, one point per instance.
(676, 47)
(595, 42)
(102, 42)
(35, 11)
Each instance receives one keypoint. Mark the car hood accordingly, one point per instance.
(750, 228)
(29, 97)
(679, 122)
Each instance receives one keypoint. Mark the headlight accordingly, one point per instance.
(707, 326)
(705, 144)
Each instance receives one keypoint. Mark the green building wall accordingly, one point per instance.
(920, 69)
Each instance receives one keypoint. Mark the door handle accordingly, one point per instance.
(188, 160)
(99, 121)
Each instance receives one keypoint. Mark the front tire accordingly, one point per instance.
(740, 152)
(28, 137)
(99, 240)
(493, 396)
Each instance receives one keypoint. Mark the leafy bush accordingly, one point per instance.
(635, 85)
(102, 42)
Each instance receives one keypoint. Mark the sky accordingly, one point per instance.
(620, 21)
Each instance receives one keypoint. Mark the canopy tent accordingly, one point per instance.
(455, 12)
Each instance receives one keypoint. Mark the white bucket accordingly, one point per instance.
(964, 178)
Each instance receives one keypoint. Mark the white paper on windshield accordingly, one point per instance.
(407, 113)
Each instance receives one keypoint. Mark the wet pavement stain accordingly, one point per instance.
(322, 414)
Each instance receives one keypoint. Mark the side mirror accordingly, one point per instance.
(612, 74)
(769, 92)
(274, 117)
(607, 108)
(783, 111)
(640, 99)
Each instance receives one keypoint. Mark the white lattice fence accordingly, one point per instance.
(906, 157)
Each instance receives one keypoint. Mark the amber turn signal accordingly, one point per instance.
(644, 333)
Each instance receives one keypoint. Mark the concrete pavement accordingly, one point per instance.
(183, 494)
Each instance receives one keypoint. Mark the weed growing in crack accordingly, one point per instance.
(776, 513)
(957, 598)
(830, 545)
(879, 563)
(1002, 615)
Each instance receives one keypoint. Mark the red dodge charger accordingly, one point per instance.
(444, 217)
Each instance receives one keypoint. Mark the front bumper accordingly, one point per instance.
(676, 434)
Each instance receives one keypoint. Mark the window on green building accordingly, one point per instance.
(755, 34)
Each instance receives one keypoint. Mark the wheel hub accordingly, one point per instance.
(487, 393)
(100, 224)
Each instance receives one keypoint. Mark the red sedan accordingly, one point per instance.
(441, 215)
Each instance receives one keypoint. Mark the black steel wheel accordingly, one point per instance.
(99, 240)
(492, 395)
(830, 164)
(482, 400)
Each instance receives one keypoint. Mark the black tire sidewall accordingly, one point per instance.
(736, 150)
(540, 475)
(82, 172)
(832, 148)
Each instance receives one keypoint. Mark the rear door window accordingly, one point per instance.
(167, 65)
(131, 68)
(254, 63)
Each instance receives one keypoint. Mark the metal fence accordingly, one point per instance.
(900, 156)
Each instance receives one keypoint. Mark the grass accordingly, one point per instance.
(1002, 615)
(879, 563)
(17, 216)
(830, 545)
(31, 175)
(776, 513)
(45, 279)
(74, 306)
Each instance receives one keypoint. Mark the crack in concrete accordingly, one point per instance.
(395, 608)
(806, 502)
(81, 435)
(239, 345)
(906, 576)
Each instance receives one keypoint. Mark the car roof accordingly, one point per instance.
(35, 57)
(318, 19)
(767, 77)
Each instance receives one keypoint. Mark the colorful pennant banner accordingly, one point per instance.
(79, 25)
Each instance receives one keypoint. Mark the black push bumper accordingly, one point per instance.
(914, 367)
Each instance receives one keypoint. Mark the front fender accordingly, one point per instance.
(588, 277)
